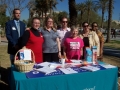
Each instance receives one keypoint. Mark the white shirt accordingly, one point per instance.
(63, 34)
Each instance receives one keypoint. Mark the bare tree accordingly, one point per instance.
(2, 6)
(31, 7)
(11, 4)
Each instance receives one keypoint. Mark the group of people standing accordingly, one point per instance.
(49, 44)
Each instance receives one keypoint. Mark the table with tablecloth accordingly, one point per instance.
(98, 80)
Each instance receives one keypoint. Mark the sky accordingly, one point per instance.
(63, 6)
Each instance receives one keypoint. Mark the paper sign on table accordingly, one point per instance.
(44, 64)
(68, 70)
(76, 61)
(49, 64)
(46, 70)
(91, 68)
(108, 66)
(27, 55)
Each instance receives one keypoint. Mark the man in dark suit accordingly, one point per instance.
(14, 30)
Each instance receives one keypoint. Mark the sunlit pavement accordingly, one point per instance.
(117, 37)
(111, 52)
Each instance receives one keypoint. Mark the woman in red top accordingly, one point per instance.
(33, 40)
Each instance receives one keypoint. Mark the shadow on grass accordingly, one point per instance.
(4, 41)
(4, 78)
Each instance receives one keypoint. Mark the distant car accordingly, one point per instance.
(80, 30)
(102, 30)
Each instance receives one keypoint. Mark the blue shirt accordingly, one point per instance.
(50, 41)
(18, 27)
(16, 21)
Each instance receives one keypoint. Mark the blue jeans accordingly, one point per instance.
(12, 59)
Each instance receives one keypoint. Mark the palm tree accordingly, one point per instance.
(46, 5)
(103, 6)
(81, 8)
(109, 20)
(52, 5)
(90, 5)
(40, 7)
(72, 12)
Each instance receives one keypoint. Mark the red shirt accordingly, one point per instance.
(35, 44)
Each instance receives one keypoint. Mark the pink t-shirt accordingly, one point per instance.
(73, 47)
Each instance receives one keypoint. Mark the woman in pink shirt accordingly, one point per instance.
(73, 46)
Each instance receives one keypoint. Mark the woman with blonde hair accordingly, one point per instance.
(51, 45)
(73, 45)
(90, 38)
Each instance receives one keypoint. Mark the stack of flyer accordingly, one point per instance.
(107, 66)
(90, 68)
(68, 70)
(46, 70)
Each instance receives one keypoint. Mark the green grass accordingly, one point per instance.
(4, 57)
(113, 44)
(115, 41)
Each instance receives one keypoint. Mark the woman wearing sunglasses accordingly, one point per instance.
(63, 32)
(101, 38)
(90, 38)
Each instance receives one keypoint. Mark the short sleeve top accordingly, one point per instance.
(50, 41)
(73, 47)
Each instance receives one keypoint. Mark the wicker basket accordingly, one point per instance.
(20, 64)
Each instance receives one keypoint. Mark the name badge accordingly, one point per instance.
(13, 28)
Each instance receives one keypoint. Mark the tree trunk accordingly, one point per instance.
(102, 19)
(81, 14)
(50, 8)
(42, 15)
(109, 20)
(45, 14)
(72, 12)
(88, 16)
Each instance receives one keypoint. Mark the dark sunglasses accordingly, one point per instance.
(65, 21)
(85, 25)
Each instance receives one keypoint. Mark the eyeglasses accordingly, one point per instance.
(95, 26)
(36, 23)
(65, 21)
(85, 25)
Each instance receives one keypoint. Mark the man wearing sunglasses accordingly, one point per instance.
(63, 32)
(101, 38)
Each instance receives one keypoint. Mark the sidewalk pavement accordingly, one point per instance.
(111, 52)
(117, 37)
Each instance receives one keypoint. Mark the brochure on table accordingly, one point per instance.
(50, 69)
